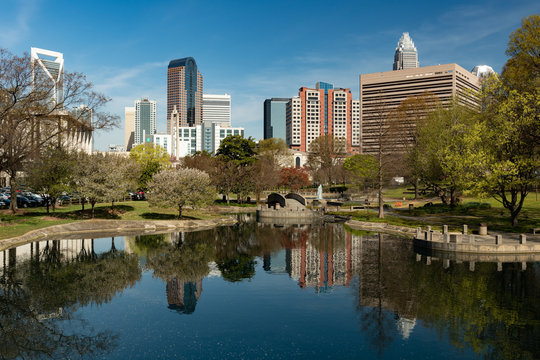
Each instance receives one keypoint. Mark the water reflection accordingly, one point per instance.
(44, 283)
(489, 309)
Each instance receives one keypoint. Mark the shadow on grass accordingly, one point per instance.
(100, 212)
(160, 216)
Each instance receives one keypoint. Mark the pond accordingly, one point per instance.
(262, 291)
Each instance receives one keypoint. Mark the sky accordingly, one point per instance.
(252, 50)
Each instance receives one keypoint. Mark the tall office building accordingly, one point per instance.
(383, 92)
(217, 109)
(129, 127)
(75, 129)
(184, 93)
(275, 118)
(323, 111)
(48, 68)
(406, 55)
(145, 120)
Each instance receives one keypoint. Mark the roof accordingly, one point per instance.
(181, 62)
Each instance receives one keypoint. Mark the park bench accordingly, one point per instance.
(535, 231)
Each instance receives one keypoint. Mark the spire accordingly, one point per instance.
(406, 55)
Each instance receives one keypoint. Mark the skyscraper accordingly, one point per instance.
(275, 118)
(406, 55)
(129, 127)
(145, 120)
(184, 93)
(217, 109)
(48, 68)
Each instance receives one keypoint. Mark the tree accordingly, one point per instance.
(236, 156)
(272, 154)
(52, 174)
(293, 178)
(439, 140)
(30, 119)
(237, 149)
(410, 112)
(102, 178)
(152, 159)
(499, 155)
(522, 71)
(180, 187)
(362, 167)
(325, 158)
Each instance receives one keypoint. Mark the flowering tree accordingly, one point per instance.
(180, 187)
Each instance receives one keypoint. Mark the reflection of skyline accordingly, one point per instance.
(66, 250)
(322, 261)
(182, 296)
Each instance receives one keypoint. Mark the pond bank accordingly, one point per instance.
(104, 228)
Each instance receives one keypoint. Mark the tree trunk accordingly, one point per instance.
(48, 204)
(13, 191)
(82, 204)
(93, 203)
(53, 204)
(381, 202)
(416, 185)
(228, 200)
(179, 212)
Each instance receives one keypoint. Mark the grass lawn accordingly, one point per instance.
(37, 218)
(472, 212)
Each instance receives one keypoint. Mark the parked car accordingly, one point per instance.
(24, 202)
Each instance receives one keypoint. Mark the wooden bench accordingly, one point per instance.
(535, 231)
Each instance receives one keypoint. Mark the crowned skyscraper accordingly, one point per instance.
(406, 56)
(184, 93)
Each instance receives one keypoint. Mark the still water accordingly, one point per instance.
(259, 291)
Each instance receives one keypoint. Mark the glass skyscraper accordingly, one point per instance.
(145, 120)
(406, 55)
(275, 118)
(184, 93)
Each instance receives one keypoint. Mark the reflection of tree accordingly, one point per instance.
(377, 323)
(494, 313)
(185, 260)
(37, 294)
(235, 251)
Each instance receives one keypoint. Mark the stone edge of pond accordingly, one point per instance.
(382, 227)
(102, 228)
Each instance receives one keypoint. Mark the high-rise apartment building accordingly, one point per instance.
(217, 109)
(275, 118)
(145, 120)
(129, 127)
(323, 111)
(406, 55)
(184, 93)
(48, 67)
(381, 93)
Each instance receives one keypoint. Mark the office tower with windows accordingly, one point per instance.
(275, 118)
(48, 68)
(145, 120)
(406, 55)
(184, 93)
(381, 93)
(217, 109)
(323, 111)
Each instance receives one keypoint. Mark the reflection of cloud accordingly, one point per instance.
(214, 271)
(14, 28)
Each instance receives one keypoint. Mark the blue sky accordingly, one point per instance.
(252, 50)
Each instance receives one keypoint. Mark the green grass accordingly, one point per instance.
(26, 220)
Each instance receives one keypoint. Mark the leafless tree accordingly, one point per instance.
(31, 117)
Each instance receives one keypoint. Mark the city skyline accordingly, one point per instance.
(250, 53)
